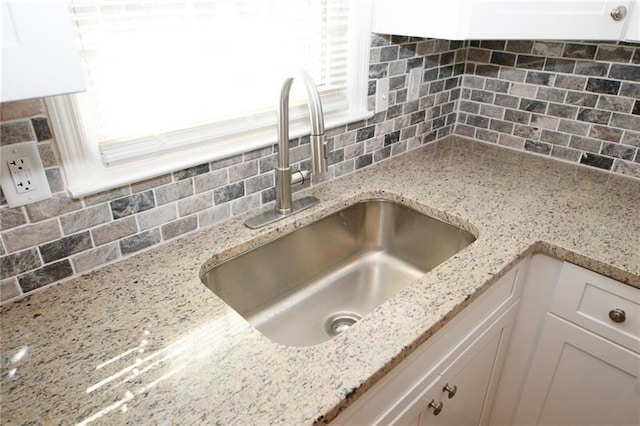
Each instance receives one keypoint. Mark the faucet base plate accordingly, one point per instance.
(272, 216)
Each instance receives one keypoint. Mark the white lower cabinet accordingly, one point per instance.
(461, 396)
(465, 355)
(578, 377)
(575, 355)
(548, 343)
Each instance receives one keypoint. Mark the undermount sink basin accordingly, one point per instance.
(305, 287)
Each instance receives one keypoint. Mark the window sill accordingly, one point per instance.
(86, 174)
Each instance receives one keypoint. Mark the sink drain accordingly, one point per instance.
(337, 323)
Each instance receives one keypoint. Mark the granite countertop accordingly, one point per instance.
(143, 341)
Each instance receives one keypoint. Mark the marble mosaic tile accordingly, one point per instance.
(48, 274)
(132, 204)
(173, 192)
(17, 263)
(10, 218)
(140, 241)
(94, 258)
(86, 218)
(179, 227)
(65, 247)
(16, 132)
(31, 235)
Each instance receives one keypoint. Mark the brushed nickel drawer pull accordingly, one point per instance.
(451, 390)
(617, 315)
(437, 407)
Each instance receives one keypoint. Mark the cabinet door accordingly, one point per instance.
(39, 52)
(560, 19)
(578, 377)
(472, 376)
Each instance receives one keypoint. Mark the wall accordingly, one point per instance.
(50, 241)
(578, 102)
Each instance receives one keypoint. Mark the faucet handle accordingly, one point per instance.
(319, 154)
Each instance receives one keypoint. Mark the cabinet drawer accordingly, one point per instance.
(587, 298)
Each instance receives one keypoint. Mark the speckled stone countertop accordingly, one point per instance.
(143, 341)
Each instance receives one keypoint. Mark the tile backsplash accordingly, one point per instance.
(578, 102)
(574, 101)
(55, 239)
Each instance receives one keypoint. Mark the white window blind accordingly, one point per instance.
(162, 74)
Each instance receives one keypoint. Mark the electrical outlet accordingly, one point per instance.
(415, 79)
(382, 94)
(22, 174)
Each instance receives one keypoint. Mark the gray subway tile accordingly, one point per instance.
(226, 162)
(48, 274)
(132, 204)
(9, 289)
(11, 217)
(615, 103)
(94, 258)
(139, 241)
(173, 192)
(16, 132)
(243, 171)
(151, 183)
(114, 230)
(55, 206)
(595, 160)
(624, 121)
(585, 144)
(228, 193)
(191, 171)
(618, 151)
(194, 204)
(567, 154)
(109, 195)
(41, 128)
(625, 72)
(179, 227)
(605, 133)
(579, 51)
(86, 218)
(627, 168)
(155, 217)
(31, 235)
(65, 247)
(214, 215)
(614, 53)
(537, 147)
(17, 263)
(54, 179)
(211, 180)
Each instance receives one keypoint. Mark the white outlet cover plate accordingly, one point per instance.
(29, 151)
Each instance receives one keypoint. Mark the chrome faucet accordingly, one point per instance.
(285, 206)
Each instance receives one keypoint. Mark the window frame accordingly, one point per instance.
(87, 174)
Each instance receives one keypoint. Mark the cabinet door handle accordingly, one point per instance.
(619, 13)
(437, 407)
(617, 315)
(451, 390)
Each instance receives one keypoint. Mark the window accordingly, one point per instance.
(176, 83)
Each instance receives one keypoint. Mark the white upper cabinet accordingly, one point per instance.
(513, 19)
(39, 52)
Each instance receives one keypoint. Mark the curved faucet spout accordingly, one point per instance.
(284, 204)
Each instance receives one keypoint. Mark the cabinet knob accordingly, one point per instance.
(619, 13)
(451, 390)
(617, 315)
(437, 407)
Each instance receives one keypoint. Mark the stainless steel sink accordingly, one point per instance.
(315, 282)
